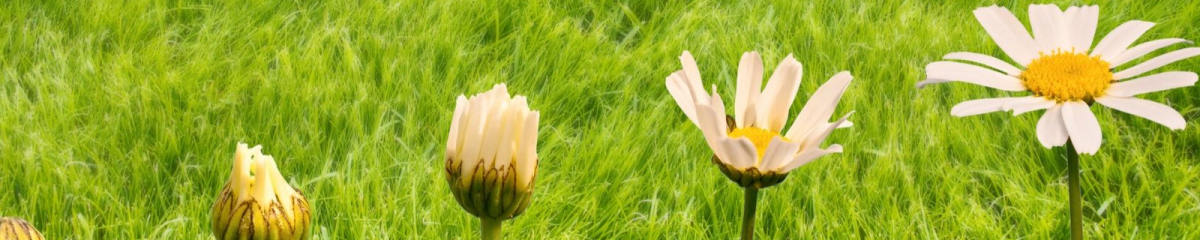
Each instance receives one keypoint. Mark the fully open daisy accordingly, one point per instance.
(751, 147)
(1064, 74)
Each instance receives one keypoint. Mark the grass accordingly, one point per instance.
(119, 120)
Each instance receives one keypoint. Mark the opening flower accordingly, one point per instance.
(258, 203)
(1064, 74)
(752, 146)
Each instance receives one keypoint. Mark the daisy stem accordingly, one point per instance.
(1073, 182)
(489, 229)
(748, 213)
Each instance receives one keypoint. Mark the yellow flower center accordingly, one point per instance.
(1067, 76)
(760, 137)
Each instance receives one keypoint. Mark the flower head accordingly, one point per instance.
(18, 229)
(258, 202)
(751, 147)
(1064, 73)
(491, 154)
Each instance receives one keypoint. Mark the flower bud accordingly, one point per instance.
(257, 203)
(491, 155)
(18, 229)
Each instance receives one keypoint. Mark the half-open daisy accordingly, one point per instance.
(754, 140)
(751, 147)
(1064, 73)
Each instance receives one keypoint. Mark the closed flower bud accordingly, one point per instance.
(18, 229)
(491, 156)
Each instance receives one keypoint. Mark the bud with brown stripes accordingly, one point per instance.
(258, 203)
(18, 229)
(491, 157)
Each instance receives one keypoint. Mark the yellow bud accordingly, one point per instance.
(257, 203)
(18, 229)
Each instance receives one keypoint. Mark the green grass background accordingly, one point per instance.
(119, 120)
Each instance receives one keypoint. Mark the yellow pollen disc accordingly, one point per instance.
(1067, 76)
(760, 137)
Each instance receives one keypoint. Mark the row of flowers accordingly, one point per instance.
(491, 154)
(1060, 70)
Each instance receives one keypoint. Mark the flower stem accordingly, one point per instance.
(489, 229)
(1073, 182)
(748, 213)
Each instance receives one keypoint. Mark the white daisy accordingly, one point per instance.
(1064, 73)
(753, 141)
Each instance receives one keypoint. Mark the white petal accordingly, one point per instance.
(1049, 28)
(1051, 131)
(1150, 110)
(1008, 33)
(1029, 104)
(527, 157)
(513, 120)
(241, 170)
(679, 90)
(460, 109)
(1144, 48)
(1040, 22)
(810, 149)
(1157, 62)
(777, 97)
(1082, 127)
(719, 109)
(472, 138)
(967, 73)
(986, 60)
(779, 152)
(492, 131)
(281, 186)
(815, 138)
(738, 152)
(922, 84)
(1152, 83)
(1069, 14)
(846, 124)
(749, 84)
(692, 74)
(1119, 39)
(709, 126)
(751, 115)
(820, 105)
(498, 92)
(1083, 27)
(808, 155)
(264, 192)
(981, 106)
(1021, 101)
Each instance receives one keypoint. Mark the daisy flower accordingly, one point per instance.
(491, 156)
(1064, 73)
(751, 147)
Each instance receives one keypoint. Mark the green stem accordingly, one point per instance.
(748, 213)
(1073, 182)
(489, 229)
